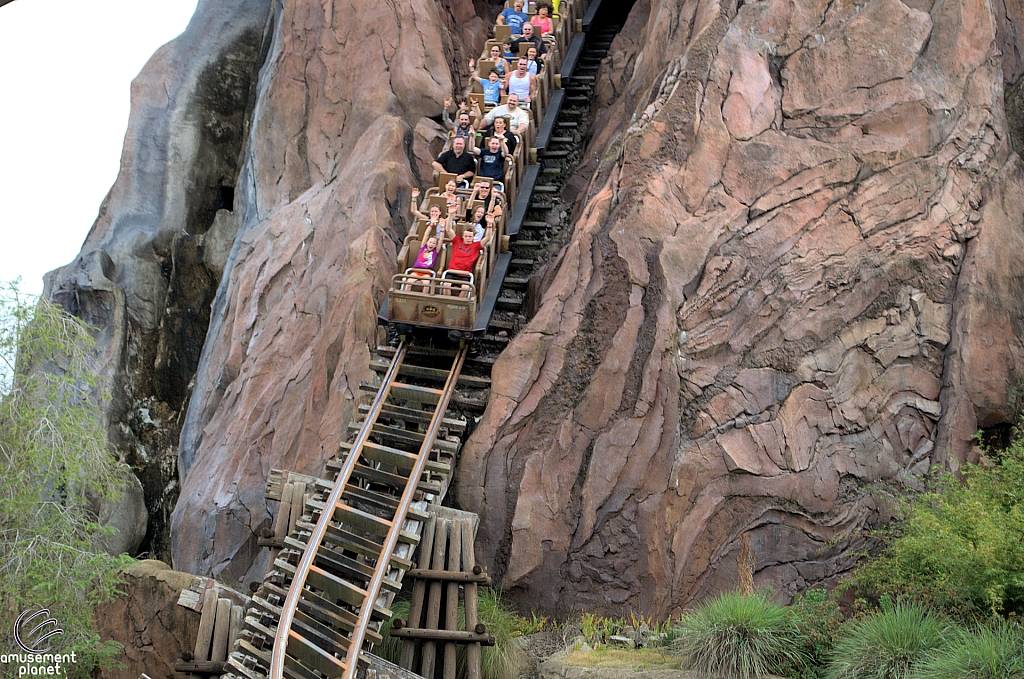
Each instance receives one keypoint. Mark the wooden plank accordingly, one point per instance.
(281, 523)
(368, 473)
(429, 651)
(205, 636)
(450, 576)
(420, 416)
(470, 592)
(402, 391)
(313, 657)
(358, 544)
(189, 599)
(204, 667)
(297, 505)
(382, 501)
(429, 636)
(406, 437)
(418, 590)
(432, 373)
(235, 626)
(318, 607)
(364, 521)
(399, 458)
(219, 647)
(451, 616)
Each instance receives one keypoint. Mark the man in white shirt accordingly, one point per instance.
(518, 118)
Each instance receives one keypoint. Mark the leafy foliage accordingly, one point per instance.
(818, 621)
(53, 456)
(961, 546)
(994, 651)
(887, 645)
(738, 636)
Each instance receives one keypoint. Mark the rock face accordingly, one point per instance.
(228, 190)
(141, 276)
(147, 621)
(793, 276)
(339, 136)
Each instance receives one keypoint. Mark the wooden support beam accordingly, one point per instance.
(449, 576)
(201, 667)
(209, 615)
(473, 653)
(454, 635)
(451, 617)
(219, 648)
(429, 651)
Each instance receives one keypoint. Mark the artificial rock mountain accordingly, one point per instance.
(794, 280)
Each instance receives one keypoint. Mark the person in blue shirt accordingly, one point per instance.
(493, 87)
(506, 49)
(514, 17)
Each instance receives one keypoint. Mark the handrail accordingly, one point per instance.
(402, 283)
(291, 602)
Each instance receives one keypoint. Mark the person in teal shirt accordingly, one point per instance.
(514, 17)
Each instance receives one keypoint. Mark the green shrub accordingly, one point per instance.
(818, 620)
(987, 652)
(505, 660)
(737, 636)
(888, 644)
(960, 547)
(53, 455)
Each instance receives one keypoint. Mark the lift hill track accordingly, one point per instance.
(344, 548)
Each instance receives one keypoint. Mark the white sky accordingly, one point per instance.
(66, 68)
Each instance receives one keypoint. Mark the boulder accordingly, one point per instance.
(146, 620)
(126, 515)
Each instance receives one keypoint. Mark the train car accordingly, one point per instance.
(456, 301)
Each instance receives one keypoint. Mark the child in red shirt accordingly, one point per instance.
(465, 253)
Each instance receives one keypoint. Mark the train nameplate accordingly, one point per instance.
(431, 311)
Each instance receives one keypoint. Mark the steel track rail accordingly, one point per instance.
(291, 603)
(350, 663)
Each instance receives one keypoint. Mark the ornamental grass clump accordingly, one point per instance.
(737, 636)
(993, 651)
(506, 659)
(889, 644)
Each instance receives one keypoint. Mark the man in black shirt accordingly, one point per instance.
(456, 161)
(529, 37)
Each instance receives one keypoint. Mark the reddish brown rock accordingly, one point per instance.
(335, 147)
(782, 291)
(794, 279)
(146, 620)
